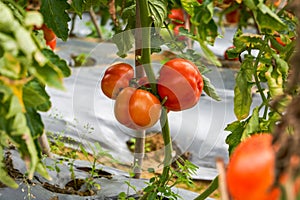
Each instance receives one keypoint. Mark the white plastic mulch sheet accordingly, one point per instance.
(83, 113)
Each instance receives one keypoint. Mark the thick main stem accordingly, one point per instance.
(139, 149)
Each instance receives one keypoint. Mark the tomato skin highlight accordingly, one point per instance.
(137, 109)
(181, 82)
(251, 171)
(115, 78)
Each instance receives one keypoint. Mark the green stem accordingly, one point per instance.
(168, 146)
(146, 22)
(211, 188)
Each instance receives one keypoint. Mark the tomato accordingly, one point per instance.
(233, 16)
(200, 1)
(251, 170)
(176, 32)
(49, 36)
(181, 82)
(226, 55)
(115, 78)
(52, 43)
(176, 16)
(137, 108)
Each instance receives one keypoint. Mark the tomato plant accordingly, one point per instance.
(115, 78)
(181, 83)
(233, 16)
(251, 169)
(226, 57)
(137, 108)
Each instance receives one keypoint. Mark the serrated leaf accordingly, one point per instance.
(236, 128)
(209, 89)
(275, 81)
(78, 6)
(124, 42)
(35, 96)
(252, 125)
(266, 18)
(57, 61)
(158, 11)
(56, 17)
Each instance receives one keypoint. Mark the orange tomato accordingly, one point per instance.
(137, 108)
(251, 170)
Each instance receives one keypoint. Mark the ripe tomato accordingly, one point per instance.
(176, 16)
(115, 78)
(251, 170)
(226, 55)
(49, 36)
(181, 82)
(233, 17)
(136, 108)
(52, 43)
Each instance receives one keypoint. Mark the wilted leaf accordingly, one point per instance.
(124, 42)
(209, 89)
(252, 125)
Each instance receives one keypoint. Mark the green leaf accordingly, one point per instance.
(56, 60)
(35, 96)
(252, 125)
(34, 122)
(158, 11)
(14, 107)
(242, 90)
(25, 42)
(18, 125)
(234, 138)
(78, 6)
(33, 18)
(275, 81)
(209, 54)
(56, 17)
(266, 18)
(209, 89)
(124, 42)
(48, 75)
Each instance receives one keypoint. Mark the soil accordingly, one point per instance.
(153, 157)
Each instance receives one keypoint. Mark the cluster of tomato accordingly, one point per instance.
(251, 170)
(179, 87)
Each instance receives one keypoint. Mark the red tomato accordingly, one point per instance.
(136, 108)
(226, 55)
(49, 35)
(176, 16)
(251, 170)
(115, 78)
(176, 32)
(233, 17)
(52, 43)
(181, 82)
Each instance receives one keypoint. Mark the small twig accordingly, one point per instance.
(45, 145)
(112, 12)
(94, 20)
(222, 179)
